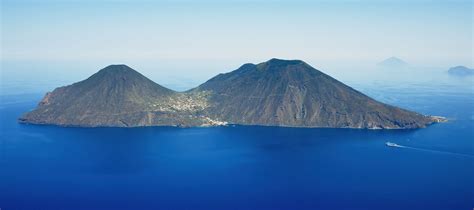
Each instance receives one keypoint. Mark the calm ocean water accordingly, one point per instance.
(244, 167)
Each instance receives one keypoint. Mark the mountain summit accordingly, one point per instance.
(273, 93)
(393, 62)
(127, 84)
(117, 95)
(292, 93)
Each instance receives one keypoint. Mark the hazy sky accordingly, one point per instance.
(216, 36)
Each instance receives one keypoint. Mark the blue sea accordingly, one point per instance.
(246, 167)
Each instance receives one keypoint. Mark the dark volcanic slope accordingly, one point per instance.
(292, 93)
(115, 96)
(277, 92)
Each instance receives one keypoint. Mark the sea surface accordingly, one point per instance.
(246, 167)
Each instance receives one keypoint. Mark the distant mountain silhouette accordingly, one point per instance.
(393, 63)
(461, 71)
(273, 93)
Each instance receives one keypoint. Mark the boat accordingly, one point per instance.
(390, 144)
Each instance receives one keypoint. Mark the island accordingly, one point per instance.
(393, 63)
(277, 92)
(460, 71)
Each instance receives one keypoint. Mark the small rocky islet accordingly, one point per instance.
(277, 92)
(460, 71)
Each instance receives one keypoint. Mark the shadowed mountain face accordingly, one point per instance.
(292, 93)
(273, 93)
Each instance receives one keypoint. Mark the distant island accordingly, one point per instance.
(392, 63)
(274, 93)
(461, 71)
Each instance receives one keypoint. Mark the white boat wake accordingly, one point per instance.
(390, 144)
